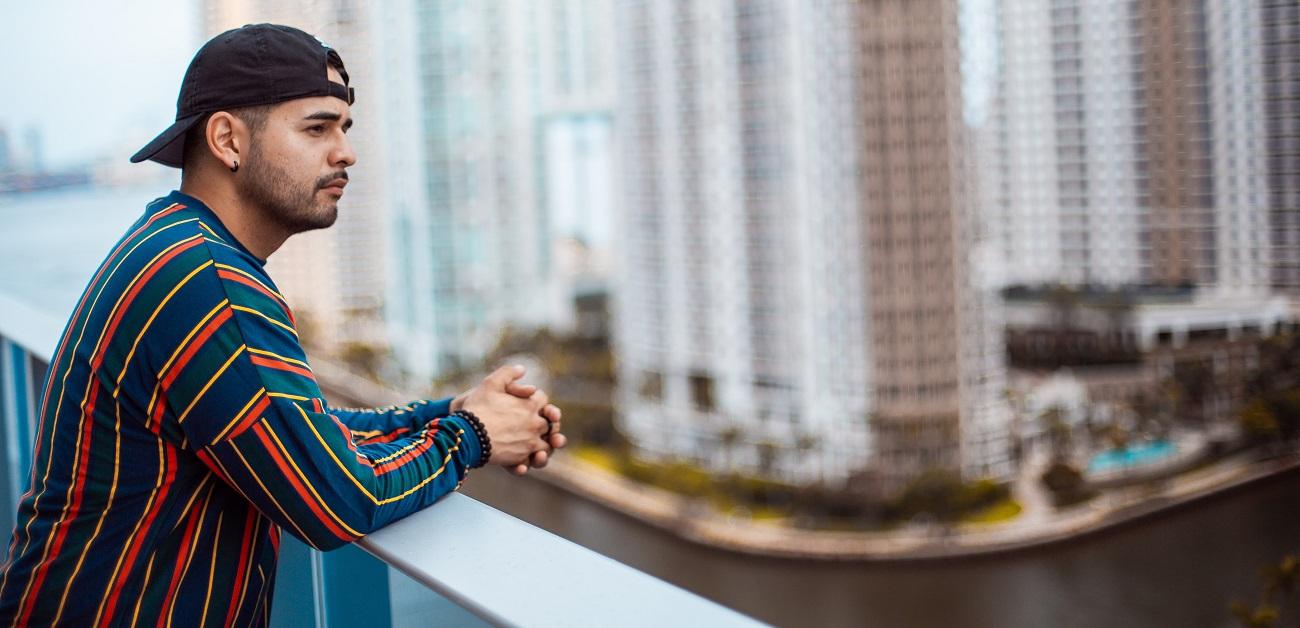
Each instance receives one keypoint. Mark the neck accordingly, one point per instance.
(245, 221)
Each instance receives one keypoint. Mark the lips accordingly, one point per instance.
(335, 186)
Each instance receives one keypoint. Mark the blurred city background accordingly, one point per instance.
(861, 312)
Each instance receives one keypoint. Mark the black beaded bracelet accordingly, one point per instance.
(484, 444)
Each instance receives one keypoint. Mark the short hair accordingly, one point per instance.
(255, 117)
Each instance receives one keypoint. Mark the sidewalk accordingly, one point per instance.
(1038, 524)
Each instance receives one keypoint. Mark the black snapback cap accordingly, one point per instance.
(257, 64)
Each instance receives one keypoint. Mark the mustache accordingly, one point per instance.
(323, 181)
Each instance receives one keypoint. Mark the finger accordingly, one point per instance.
(540, 399)
(503, 376)
(543, 426)
(523, 391)
(519, 469)
(552, 413)
(539, 460)
(558, 441)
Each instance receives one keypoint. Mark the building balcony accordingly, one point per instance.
(495, 570)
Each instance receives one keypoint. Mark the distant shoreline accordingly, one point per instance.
(678, 516)
(1106, 513)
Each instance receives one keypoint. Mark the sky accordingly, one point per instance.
(96, 79)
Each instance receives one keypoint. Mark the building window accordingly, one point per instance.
(702, 392)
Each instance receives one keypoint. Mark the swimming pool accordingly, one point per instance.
(1135, 456)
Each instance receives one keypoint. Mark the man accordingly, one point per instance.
(181, 426)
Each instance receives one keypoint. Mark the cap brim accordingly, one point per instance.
(168, 148)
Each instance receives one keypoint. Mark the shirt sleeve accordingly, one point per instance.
(252, 412)
(368, 424)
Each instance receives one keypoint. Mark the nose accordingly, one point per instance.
(343, 155)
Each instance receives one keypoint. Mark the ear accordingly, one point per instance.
(227, 138)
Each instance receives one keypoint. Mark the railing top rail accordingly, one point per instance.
(509, 572)
(32, 329)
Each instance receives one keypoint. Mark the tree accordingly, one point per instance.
(1066, 484)
(1058, 431)
(1259, 422)
(1279, 581)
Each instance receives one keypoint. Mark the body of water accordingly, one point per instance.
(1180, 569)
(52, 241)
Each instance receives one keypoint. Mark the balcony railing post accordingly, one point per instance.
(17, 407)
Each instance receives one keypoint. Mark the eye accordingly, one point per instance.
(316, 129)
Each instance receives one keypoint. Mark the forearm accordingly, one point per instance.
(306, 473)
(370, 423)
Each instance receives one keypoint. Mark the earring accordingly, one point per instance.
(235, 168)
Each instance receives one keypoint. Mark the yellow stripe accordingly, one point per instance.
(302, 476)
(204, 226)
(279, 357)
(329, 450)
(288, 396)
(268, 494)
(189, 558)
(431, 478)
(63, 387)
(268, 318)
(99, 525)
(148, 573)
(399, 452)
(240, 416)
(213, 379)
(117, 385)
(153, 399)
(255, 279)
(243, 589)
(117, 568)
(212, 571)
(127, 290)
(380, 502)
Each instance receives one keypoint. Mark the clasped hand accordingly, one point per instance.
(522, 424)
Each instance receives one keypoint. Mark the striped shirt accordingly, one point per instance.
(181, 429)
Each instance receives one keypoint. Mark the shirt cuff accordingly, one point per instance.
(470, 448)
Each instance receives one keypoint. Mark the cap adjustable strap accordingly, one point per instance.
(342, 92)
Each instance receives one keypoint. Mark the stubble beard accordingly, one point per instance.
(294, 207)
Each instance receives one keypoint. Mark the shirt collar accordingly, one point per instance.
(211, 220)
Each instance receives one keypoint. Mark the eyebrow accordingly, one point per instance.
(331, 116)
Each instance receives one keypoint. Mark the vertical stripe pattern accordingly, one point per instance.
(180, 428)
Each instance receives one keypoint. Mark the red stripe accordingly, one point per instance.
(206, 458)
(178, 366)
(120, 578)
(244, 553)
(87, 430)
(225, 274)
(253, 415)
(63, 345)
(387, 438)
(186, 541)
(298, 485)
(282, 366)
(316, 403)
(400, 461)
(81, 462)
(63, 342)
(347, 438)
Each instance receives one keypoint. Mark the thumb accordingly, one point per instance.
(503, 376)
